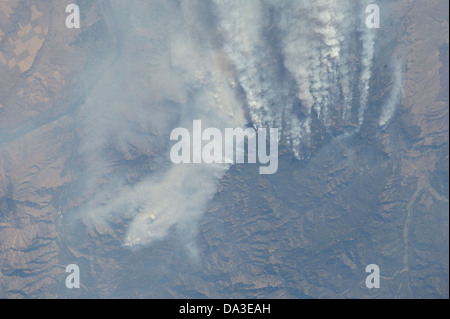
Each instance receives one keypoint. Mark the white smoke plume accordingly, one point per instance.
(389, 107)
(165, 55)
(368, 41)
(319, 44)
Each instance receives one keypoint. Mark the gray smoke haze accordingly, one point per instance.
(166, 74)
(283, 63)
(395, 95)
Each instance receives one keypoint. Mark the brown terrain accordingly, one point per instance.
(283, 243)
